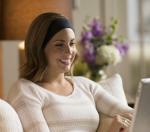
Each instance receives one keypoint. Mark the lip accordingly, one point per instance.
(65, 61)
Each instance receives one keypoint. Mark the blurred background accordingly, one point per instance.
(133, 22)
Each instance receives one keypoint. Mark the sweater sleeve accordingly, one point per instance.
(29, 108)
(104, 101)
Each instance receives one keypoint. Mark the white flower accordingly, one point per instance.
(107, 54)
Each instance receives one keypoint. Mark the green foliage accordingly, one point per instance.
(80, 68)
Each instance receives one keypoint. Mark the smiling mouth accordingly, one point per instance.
(65, 61)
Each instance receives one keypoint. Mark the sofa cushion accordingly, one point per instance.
(114, 86)
(9, 120)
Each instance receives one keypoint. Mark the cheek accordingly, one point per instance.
(50, 55)
(75, 51)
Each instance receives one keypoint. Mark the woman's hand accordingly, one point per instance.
(121, 123)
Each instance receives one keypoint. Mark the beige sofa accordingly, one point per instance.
(9, 120)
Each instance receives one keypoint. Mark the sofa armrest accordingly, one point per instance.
(9, 120)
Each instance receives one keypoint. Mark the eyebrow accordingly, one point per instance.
(61, 40)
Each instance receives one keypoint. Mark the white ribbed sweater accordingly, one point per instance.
(41, 110)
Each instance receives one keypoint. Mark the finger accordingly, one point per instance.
(127, 123)
(125, 120)
(122, 121)
(127, 115)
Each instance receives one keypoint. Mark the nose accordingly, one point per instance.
(68, 50)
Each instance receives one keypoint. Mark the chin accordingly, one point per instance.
(65, 70)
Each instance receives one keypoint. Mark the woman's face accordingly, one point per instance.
(61, 51)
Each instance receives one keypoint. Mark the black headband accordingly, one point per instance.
(56, 25)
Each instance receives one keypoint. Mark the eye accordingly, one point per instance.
(59, 45)
(72, 43)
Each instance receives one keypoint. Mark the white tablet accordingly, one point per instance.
(141, 120)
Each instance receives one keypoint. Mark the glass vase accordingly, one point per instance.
(98, 75)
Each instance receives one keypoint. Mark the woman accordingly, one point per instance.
(48, 100)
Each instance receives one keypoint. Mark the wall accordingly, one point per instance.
(18, 14)
(0, 16)
(119, 10)
(10, 64)
(1, 69)
(84, 9)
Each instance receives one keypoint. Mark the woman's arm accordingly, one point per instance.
(31, 117)
(29, 108)
(108, 104)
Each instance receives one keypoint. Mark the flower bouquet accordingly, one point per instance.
(100, 47)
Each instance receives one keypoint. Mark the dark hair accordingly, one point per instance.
(36, 62)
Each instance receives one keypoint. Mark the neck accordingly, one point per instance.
(52, 76)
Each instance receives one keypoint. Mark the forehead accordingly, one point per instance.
(64, 34)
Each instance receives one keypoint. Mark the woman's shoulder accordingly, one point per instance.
(21, 81)
(22, 88)
(20, 85)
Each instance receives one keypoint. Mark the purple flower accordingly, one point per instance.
(96, 28)
(123, 48)
(86, 36)
(89, 53)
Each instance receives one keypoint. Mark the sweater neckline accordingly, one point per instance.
(53, 93)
